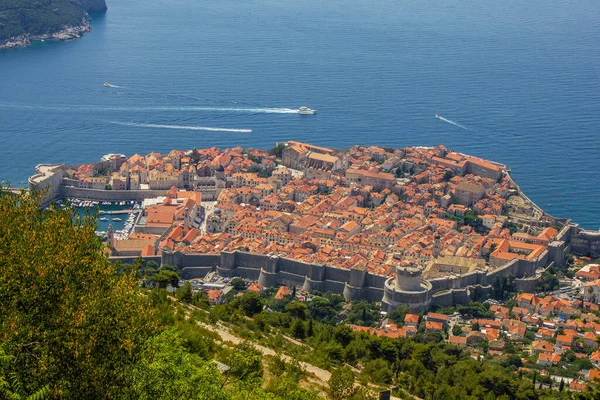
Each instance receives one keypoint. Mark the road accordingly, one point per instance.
(209, 208)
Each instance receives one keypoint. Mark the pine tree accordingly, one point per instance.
(561, 387)
(309, 331)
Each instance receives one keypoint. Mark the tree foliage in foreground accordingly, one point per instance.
(65, 316)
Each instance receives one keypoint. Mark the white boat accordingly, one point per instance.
(306, 111)
(117, 219)
(103, 219)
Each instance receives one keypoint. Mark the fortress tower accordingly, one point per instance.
(408, 278)
(437, 246)
(407, 289)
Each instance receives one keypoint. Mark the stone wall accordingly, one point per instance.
(133, 259)
(109, 195)
(585, 242)
(355, 284)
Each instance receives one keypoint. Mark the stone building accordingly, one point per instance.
(469, 193)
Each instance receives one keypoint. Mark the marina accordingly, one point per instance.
(121, 215)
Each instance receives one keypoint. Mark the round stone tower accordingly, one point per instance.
(408, 277)
(407, 289)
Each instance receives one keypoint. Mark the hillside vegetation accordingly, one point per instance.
(38, 17)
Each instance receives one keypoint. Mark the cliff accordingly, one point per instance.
(22, 21)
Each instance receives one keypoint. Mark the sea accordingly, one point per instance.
(519, 79)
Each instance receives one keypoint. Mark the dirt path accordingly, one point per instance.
(321, 374)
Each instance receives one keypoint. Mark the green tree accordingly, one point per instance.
(184, 293)
(341, 384)
(68, 319)
(397, 314)
(456, 330)
(298, 329)
(10, 385)
(297, 309)
(164, 278)
(167, 371)
(238, 283)
(310, 328)
(322, 310)
(249, 303)
(277, 151)
(377, 371)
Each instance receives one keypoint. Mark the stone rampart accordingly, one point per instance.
(585, 242)
(313, 271)
(109, 195)
(356, 283)
(195, 272)
(134, 259)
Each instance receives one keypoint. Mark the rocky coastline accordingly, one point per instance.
(66, 33)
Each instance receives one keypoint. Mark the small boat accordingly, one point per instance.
(117, 219)
(103, 219)
(438, 116)
(306, 111)
(106, 84)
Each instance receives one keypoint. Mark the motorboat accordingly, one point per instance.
(117, 219)
(106, 84)
(306, 111)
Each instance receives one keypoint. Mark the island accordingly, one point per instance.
(414, 227)
(23, 21)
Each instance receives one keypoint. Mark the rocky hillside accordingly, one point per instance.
(24, 20)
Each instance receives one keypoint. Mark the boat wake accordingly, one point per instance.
(452, 122)
(184, 127)
(235, 109)
(247, 110)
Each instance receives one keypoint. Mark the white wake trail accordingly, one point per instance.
(185, 127)
(453, 123)
(248, 110)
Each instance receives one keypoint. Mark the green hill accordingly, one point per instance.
(39, 17)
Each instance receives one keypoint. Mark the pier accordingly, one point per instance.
(114, 212)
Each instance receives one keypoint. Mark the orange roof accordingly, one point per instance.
(441, 317)
(214, 294)
(458, 340)
(255, 287)
(148, 250)
(411, 318)
(283, 291)
(594, 374)
(377, 175)
(323, 157)
(437, 326)
(564, 338)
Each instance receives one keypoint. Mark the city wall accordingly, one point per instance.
(109, 195)
(353, 284)
(584, 242)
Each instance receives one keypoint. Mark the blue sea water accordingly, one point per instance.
(522, 76)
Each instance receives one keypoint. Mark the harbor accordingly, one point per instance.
(121, 215)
